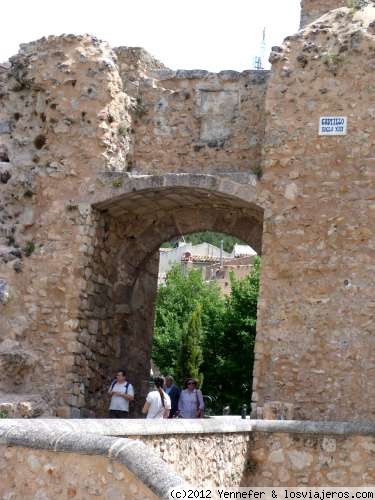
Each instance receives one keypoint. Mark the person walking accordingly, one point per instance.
(121, 392)
(174, 393)
(158, 403)
(191, 404)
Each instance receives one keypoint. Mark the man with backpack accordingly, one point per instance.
(122, 392)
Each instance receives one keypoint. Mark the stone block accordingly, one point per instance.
(217, 111)
(93, 325)
(63, 412)
(4, 292)
(4, 127)
(276, 410)
(75, 413)
(28, 216)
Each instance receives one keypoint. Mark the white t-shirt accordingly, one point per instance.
(157, 409)
(118, 402)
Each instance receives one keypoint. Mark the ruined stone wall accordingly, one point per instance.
(315, 328)
(198, 121)
(81, 221)
(189, 121)
(75, 306)
(63, 113)
(28, 473)
(311, 10)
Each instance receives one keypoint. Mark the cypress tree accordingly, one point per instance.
(191, 356)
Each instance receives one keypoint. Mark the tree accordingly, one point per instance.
(191, 356)
(177, 299)
(239, 339)
(227, 333)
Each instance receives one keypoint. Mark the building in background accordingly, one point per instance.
(239, 266)
(215, 263)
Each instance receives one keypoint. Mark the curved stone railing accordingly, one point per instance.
(70, 437)
(218, 451)
(220, 425)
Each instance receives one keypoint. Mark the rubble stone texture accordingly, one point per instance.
(311, 10)
(47, 474)
(225, 452)
(275, 459)
(105, 154)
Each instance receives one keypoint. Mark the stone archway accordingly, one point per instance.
(134, 219)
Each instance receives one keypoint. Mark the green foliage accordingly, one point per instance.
(332, 61)
(176, 301)
(29, 248)
(356, 4)
(140, 107)
(123, 130)
(3, 414)
(193, 321)
(258, 171)
(117, 183)
(240, 329)
(191, 356)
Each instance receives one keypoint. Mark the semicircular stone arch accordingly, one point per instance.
(134, 219)
(120, 188)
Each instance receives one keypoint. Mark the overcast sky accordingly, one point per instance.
(189, 34)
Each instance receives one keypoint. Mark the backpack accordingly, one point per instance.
(114, 382)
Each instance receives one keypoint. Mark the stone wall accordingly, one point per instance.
(206, 459)
(263, 459)
(56, 92)
(76, 291)
(138, 222)
(223, 451)
(189, 121)
(28, 473)
(47, 459)
(186, 121)
(270, 454)
(106, 155)
(227, 460)
(315, 315)
(310, 460)
(311, 10)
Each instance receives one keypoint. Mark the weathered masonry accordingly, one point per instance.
(105, 154)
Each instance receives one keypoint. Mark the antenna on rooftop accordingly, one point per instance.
(259, 59)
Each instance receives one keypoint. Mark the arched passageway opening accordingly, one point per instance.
(118, 310)
(205, 318)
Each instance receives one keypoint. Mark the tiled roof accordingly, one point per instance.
(201, 258)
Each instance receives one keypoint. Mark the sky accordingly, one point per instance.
(190, 34)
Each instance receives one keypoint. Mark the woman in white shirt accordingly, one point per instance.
(158, 403)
